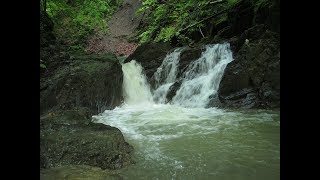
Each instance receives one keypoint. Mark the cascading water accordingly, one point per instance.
(135, 87)
(167, 72)
(202, 77)
(166, 75)
(185, 140)
(200, 80)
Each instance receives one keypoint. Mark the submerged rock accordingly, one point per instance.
(70, 138)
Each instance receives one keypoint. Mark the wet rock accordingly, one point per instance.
(188, 55)
(90, 81)
(256, 65)
(214, 101)
(69, 137)
(252, 33)
(173, 90)
(150, 56)
(244, 98)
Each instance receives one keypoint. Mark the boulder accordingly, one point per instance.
(87, 81)
(188, 55)
(173, 90)
(256, 66)
(150, 56)
(68, 137)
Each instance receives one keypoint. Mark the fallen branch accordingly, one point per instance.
(216, 2)
(201, 32)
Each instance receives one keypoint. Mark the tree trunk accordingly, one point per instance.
(44, 5)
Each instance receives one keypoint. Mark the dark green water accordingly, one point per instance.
(172, 142)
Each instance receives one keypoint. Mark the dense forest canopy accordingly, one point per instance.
(180, 18)
(162, 20)
(74, 20)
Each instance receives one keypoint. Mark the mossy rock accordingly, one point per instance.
(70, 138)
(93, 81)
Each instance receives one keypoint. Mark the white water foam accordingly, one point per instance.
(166, 75)
(202, 77)
(136, 89)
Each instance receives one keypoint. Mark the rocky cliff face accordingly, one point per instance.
(73, 87)
(88, 81)
(76, 79)
(69, 95)
(252, 80)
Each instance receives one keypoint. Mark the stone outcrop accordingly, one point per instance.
(93, 81)
(69, 137)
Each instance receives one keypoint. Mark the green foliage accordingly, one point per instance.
(258, 3)
(232, 2)
(255, 3)
(166, 21)
(166, 34)
(145, 36)
(75, 19)
(43, 66)
(221, 19)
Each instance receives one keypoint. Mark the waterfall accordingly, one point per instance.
(166, 75)
(174, 140)
(200, 80)
(167, 71)
(202, 77)
(135, 87)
